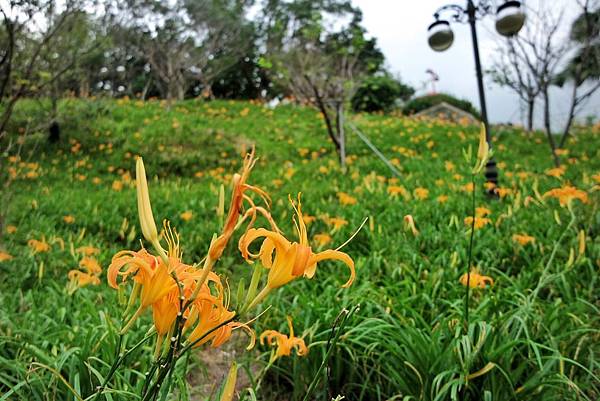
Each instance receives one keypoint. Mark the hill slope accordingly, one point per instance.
(537, 325)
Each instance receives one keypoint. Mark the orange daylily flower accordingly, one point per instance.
(475, 279)
(117, 185)
(38, 246)
(336, 222)
(322, 239)
(154, 278)
(503, 192)
(285, 344)
(82, 279)
(238, 197)
(482, 211)
(91, 265)
(214, 321)
(469, 187)
(479, 222)
(523, 239)
(556, 172)
(346, 199)
(489, 186)
(88, 250)
(395, 190)
(442, 198)
(291, 259)
(186, 216)
(148, 270)
(164, 311)
(421, 193)
(209, 312)
(567, 194)
(69, 219)
(5, 256)
(90, 276)
(10, 229)
(308, 219)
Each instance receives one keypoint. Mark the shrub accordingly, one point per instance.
(424, 102)
(379, 93)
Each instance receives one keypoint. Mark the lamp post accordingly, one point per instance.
(509, 21)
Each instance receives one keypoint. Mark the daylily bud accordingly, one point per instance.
(557, 218)
(221, 207)
(571, 259)
(144, 208)
(409, 223)
(483, 152)
(484, 148)
(581, 238)
(229, 388)
(536, 191)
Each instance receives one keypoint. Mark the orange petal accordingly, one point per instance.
(266, 253)
(335, 255)
(278, 240)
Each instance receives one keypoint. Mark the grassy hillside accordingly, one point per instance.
(533, 334)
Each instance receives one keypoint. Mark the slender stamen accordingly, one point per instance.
(353, 235)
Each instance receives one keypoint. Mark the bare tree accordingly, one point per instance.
(25, 40)
(583, 70)
(539, 58)
(326, 80)
(511, 70)
(532, 61)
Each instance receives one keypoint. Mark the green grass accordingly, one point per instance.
(538, 324)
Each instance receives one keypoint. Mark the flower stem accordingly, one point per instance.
(470, 255)
(256, 275)
(261, 295)
(132, 320)
(117, 362)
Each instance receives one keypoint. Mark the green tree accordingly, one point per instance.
(380, 93)
(188, 41)
(316, 61)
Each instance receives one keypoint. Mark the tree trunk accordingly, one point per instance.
(207, 92)
(84, 87)
(530, 109)
(54, 128)
(7, 113)
(180, 89)
(571, 116)
(323, 109)
(341, 134)
(170, 91)
(547, 125)
(146, 88)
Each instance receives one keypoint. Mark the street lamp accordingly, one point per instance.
(509, 21)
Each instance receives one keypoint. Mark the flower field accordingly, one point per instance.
(391, 315)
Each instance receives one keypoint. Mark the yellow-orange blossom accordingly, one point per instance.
(287, 260)
(285, 344)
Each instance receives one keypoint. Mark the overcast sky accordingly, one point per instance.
(400, 27)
